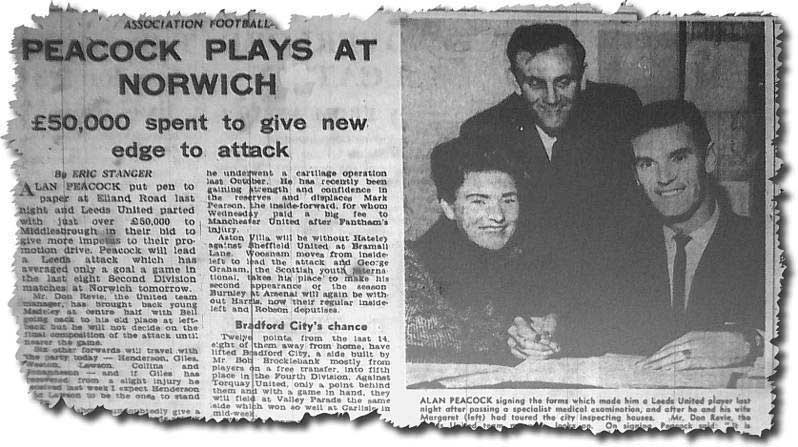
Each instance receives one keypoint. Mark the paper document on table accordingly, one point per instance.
(607, 371)
(429, 372)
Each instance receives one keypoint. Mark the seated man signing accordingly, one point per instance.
(696, 272)
(467, 278)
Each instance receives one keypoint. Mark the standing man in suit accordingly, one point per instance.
(569, 136)
(698, 272)
(571, 140)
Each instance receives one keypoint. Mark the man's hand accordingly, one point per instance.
(533, 339)
(700, 350)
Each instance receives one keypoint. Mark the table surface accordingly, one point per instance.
(607, 371)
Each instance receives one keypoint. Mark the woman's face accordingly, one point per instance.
(485, 208)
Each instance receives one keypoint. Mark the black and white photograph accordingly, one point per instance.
(586, 195)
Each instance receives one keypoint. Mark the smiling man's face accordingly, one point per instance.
(672, 170)
(549, 82)
(485, 208)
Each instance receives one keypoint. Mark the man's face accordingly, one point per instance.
(549, 81)
(671, 171)
(485, 208)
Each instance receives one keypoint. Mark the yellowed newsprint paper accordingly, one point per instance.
(486, 219)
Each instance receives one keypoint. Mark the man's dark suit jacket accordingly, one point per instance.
(591, 167)
(632, 315)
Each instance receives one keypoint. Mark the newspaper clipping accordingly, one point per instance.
(462, 218)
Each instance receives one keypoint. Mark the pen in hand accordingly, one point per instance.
(532, 339)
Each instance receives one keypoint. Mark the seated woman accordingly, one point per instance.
(469, 276)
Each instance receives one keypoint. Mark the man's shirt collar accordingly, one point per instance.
(701, 235)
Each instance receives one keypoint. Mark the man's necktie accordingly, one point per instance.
(679, 273)
(556, 154)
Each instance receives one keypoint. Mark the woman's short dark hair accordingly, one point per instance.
(453, 160)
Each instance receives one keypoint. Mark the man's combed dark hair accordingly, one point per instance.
(453, 160)
(541, 37)
(671, 112)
